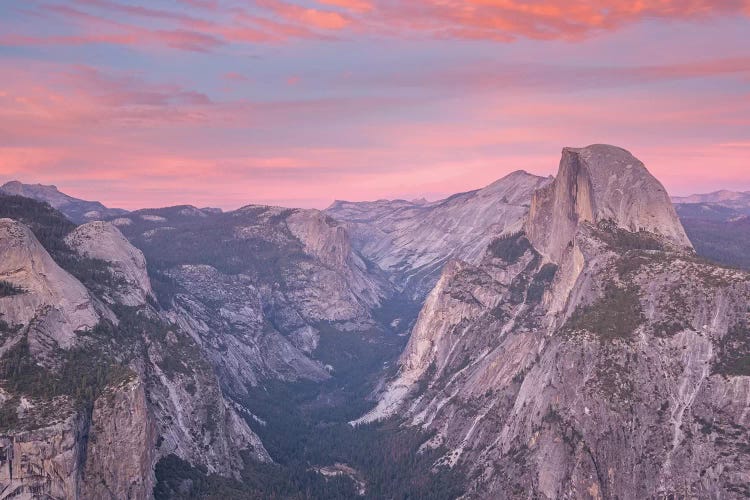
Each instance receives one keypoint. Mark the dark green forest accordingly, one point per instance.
(305, 425)
(724, 241)
(718, 233)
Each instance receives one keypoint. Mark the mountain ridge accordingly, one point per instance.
(413, 241)
(77, 210)
(583, 369)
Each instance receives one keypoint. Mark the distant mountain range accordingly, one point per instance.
(723, 196)
(78, 211)
(718, 224)
(722, 204)
(396, 215)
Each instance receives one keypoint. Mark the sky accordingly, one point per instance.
(300, 102)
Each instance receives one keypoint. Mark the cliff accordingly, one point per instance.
(596, 357)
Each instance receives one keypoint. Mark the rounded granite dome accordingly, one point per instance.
(601, 183)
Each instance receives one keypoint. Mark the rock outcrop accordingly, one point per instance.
(413, 240)
(103, 241)
(58, 451)
(595, 184)
(122, 426)
(609, 362)
(44, 462)
(257, 284)
(49, 302)
(328, 241)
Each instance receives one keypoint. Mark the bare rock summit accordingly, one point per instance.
(600, 183)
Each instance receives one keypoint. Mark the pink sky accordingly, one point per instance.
(226, 103)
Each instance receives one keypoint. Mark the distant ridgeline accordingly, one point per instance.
(718, 224)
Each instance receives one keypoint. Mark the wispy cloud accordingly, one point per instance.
(229, 102)
(273, 21)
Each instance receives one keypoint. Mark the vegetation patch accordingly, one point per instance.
(8, 289)
(510, 248)
(387, 457)
(540, 282)
(6, 329)
(632, 261)
(617, 315)
(82, 375)
(9, 414)
(614, 380)
(669, 327)
(306, 427)
(734, 352)
(248, 241)
(355, 356)
(48, 225)
(622, 239)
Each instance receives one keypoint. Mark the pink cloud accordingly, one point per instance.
(313, 18)
(135, 142)
(351, 5)
(234, 76)
(266, 21)
(544, 19)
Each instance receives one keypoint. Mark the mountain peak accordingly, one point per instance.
(19, 186)
(36, 191)
(78, 211)
(600, 183)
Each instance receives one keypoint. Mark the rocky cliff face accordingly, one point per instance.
(593, 356)
(50, 302)
(121, 445)
(92, 392)
(103, 241)
(79, 211)
(254, 286)
(600, 183)
(43, 462)
(60, 452)
(412, 241)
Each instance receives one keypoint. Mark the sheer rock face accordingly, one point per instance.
(600, 183)
(44, 462)
(60, 452)
(619, 370)
(194, 419)
(102, 240)
(53, 304)
(412, 241)
(348, 291)
(121, 449)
